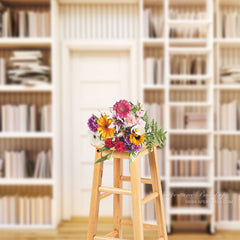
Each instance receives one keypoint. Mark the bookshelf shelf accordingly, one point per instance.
(187, 22)
(25, 42)
(189, 104)
(20, 88)
(190, 211)
(187, 87)
(188, 131)
(189, 77)
(26, 182)
(26, 135)
(187, 41)
(153, 42)
(189, 184)
(235, 133)
(187, 158)
(228, 179)
(189, 50)
(227, 87)
(153, 87)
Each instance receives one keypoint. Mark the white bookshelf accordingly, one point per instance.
(210, 46)
(30, 141)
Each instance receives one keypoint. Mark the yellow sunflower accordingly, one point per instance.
(103, 127)
(137, 139)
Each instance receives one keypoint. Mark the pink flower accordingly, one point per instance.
(141, 122)
(122, 108)
(131, 120)
(140, 113)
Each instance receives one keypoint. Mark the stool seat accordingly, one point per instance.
(100, 192)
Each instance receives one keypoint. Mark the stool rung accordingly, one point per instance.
(146, 226)
(143, 180)
(104, 195)
(150, 197)
(111, 234)
(115, 190)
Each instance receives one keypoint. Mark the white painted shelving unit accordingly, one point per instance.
(210, 47)
(30, 141)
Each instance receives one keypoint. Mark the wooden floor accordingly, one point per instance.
(77, 230)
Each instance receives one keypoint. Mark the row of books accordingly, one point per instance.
(230, 75)
(154, 71)
(229, 162)
(155, 111)
(29, 210)
(187, 14)
(229, 23)
(161, 163)
(20, 23)
(24, 118)
(2, 71)
(27, 68)
(151, 28)
(228, 206)
(189, 199)
(181, 119)
(187, 32)
(17, 164)
(188, 168)
(229, 116)
(187, 65)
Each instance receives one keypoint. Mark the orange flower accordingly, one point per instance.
(103, 127)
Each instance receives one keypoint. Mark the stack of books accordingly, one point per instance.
(23, 118)
(26, 67)
(229, 116)
(17, 164)
(155, 111)
(31, 210)
(152, 28)
(154, 71)
(188, 168)
(180, 119)
(187, 14)
(229, 204)
(229, 162)
(20, 23)
(186, 31)
(229, 23)
(2, 71)
(230, 75)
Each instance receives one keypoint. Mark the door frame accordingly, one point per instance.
(66, 140)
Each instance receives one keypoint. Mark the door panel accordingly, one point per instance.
(99, 78)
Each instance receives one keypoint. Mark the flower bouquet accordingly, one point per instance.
(125, 128)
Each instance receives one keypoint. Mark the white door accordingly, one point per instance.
(98, 78)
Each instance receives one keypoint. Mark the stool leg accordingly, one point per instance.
(136, 199)
(156, 186)
(95, 197)
(117, 198)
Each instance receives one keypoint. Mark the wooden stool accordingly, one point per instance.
(99, 192)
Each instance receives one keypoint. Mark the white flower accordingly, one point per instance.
(95, 138)
(138, 129)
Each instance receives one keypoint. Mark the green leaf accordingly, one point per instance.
(132, 156)
(104, 148)
(106, 157)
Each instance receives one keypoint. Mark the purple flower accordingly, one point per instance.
(136, 148)
(127, 140)
(126, 149)
(117, 121)
(92, 123)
